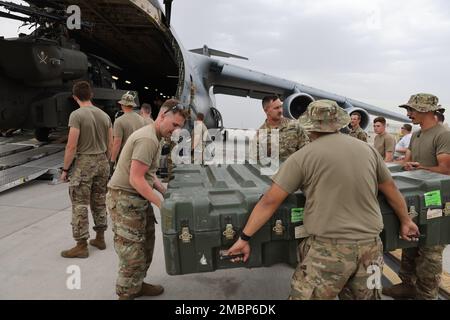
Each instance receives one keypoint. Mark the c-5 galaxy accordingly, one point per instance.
(130, 44)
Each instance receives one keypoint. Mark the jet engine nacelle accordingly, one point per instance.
(296, 104)
(363, 113)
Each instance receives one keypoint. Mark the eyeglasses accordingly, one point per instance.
(175, 108)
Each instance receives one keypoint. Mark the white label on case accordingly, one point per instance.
(300, 232)
(203, 260)
(434, 213)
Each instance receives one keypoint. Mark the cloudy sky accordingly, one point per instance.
(375, 51)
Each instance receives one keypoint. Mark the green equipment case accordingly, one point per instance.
(206, 208)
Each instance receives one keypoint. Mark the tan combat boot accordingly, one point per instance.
(400, 291)
(150, 290)
(79, 251)
(99, 240)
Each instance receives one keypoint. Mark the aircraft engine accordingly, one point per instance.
(296, 104)
(365, 119)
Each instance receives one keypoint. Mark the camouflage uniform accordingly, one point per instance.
(422, 266)
(292, 137)
(358, 133)
(134, 238)
(87, 186)
(330, 268)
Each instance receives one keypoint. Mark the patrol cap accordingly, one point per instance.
(324, 116)
(423, 102)
(127, 100)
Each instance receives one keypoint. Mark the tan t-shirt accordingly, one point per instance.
(384, 143)
(425, 145)
(142, 145)
(94, 126)
(126, 124)
(148, 120)
(339, 176)
(200, 134)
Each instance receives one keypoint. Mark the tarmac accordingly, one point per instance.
(35, 228)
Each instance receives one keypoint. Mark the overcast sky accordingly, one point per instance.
(375, 51)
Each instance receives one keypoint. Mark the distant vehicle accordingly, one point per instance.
(138, 37)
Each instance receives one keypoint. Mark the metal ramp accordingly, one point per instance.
(23, 160)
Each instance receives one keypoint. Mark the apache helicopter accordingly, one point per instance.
(37, 72)
(138, 37)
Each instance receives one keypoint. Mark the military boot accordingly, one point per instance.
(99, 240)
(79, 251)
(400, 291)
(150, 290)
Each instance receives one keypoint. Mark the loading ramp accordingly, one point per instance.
(23, 159)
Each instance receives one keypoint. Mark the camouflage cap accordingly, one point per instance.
(423, 102)
(127, 100)
(324, 116)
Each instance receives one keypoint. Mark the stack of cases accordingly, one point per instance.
(427, 197)
(206, 208)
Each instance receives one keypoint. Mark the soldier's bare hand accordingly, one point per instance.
(411, 166)
(409, 231)
(239, 247)
(64, 177)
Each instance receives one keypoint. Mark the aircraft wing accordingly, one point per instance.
(234, 80)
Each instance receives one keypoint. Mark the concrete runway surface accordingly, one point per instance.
(35, 228)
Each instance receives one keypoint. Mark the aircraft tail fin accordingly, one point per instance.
(213, 52)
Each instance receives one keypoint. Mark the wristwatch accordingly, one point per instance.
(244, 237)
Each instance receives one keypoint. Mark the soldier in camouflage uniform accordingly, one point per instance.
(90, 139)
(129, 201)
(291, 135)
(344, 248)
(356, 131)
(421, 267)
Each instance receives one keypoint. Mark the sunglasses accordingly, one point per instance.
(175, 108)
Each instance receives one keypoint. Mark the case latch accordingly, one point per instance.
(185, 236)
(279, 228)
(229, 232)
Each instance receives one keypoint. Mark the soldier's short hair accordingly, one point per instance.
(440, 116)
(268, 99)
(380, 119)
(82, 90)
(407, 127)
(146, 107)
(174, 106)
(200, 116)
(356, 114)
